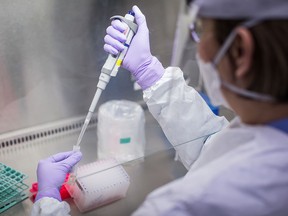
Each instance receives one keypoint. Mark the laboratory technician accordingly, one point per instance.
(237, 168)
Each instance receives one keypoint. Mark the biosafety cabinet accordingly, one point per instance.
(51, 53)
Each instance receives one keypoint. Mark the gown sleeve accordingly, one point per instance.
(183, 115)
(50, 207)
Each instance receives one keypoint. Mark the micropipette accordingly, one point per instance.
(110, 68)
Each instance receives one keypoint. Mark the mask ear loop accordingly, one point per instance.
(221, 53)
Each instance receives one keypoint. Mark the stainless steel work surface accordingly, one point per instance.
(156, 169)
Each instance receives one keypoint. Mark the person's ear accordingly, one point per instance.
(242, 51)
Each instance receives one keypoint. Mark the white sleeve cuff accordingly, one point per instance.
(49, 206)
(169, 74)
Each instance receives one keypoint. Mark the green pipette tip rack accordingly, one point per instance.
(12, 188)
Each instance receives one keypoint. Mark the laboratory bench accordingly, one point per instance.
(157, 168)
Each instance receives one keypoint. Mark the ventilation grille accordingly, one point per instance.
(44, 131)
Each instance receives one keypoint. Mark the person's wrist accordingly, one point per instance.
(152, 72)
(49, 192)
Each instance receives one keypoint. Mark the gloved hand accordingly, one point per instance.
(139, 61)
(51, 173)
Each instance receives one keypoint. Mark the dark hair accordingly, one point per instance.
(269, 69)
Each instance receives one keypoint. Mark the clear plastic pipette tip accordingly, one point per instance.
(73, 173)
(84, 127)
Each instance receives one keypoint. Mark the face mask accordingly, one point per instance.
(213, 82)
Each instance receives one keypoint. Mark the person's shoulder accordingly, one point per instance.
(242, 178)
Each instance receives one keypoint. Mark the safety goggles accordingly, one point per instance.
(196, 30)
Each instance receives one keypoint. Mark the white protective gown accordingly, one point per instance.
(240, 170)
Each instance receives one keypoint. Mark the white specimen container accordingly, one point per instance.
(121, 130)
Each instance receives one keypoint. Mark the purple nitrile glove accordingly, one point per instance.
(139, 61)
(51, 173)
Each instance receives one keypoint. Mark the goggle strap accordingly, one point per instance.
(231, 37)
(225, 47)
(193, 13)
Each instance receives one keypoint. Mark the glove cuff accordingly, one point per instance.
(153, 72)
(49, 192)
